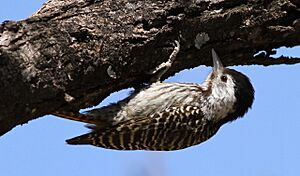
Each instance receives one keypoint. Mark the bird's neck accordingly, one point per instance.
(217, 103)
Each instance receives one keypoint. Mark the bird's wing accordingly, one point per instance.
(160, 96)
(157, 97)
(172, 129)
(97, 118)
(76, 116)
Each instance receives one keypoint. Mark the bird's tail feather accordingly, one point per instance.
(80, 140)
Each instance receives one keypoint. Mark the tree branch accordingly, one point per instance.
(267, 61)
(72, 54)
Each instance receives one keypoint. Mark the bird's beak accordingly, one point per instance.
(218, 66)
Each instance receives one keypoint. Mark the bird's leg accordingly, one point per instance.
(160, 70)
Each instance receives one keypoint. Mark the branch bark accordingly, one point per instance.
(71, 54)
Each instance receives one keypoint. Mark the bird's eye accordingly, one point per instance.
(224, 78)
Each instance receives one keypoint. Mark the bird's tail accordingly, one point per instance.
(81, 140)
(86, 118)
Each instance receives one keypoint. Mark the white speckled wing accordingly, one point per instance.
(160, 96)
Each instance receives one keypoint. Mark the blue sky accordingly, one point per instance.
(264, 142)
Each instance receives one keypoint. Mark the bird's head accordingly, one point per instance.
(231, 88)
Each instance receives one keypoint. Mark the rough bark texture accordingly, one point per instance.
(72, 54)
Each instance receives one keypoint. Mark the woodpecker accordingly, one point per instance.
(168, 116)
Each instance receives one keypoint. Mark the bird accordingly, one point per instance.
(164, 116)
